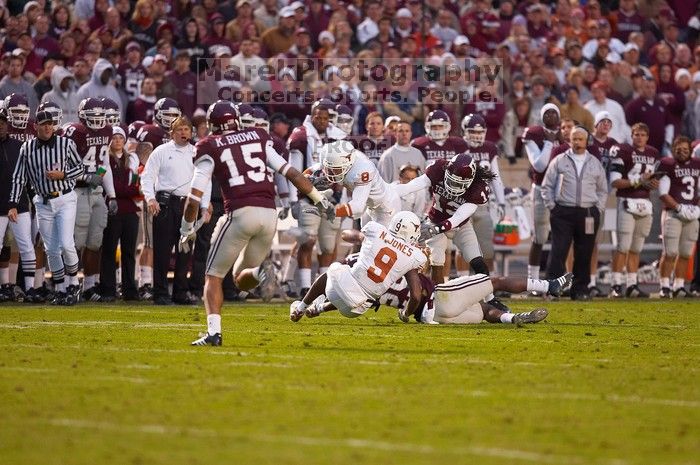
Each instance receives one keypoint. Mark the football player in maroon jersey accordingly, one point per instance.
(165, 111)
(242, 160)
(539, 141)
(632, 170)
(485, 154)
(437, 144)
(458, 187)
(92, 137)
(304, 146)
(679, 190)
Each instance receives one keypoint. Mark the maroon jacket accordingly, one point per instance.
(655, 116)
(186, 85)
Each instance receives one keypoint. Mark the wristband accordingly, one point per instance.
(186, 226)
(314, 195)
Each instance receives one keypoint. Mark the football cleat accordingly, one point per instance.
(595, 291)
(294, 313)
(59, 298)
(268, 280)
(91, 295)
(559, 284)
(73, 294)
(33, 296)
(146, 292)
(695, 290)
(208, 340)
(316, 307)
(665, 293)
(616, 291)
(680, 293)
(535, 316)
(495, 302)
(635, 291)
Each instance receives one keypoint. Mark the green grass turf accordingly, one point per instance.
(598, 383)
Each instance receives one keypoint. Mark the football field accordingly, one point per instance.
(597, 383)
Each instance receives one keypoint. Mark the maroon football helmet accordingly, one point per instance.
(222, 115)
(165, 111)
(91, 113)
(112, 113)
(474, 129)
(134, 128)
(245, 112)
(459, 174)
(437, 125)
(17, 110)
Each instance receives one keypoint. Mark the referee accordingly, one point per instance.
(51, 164)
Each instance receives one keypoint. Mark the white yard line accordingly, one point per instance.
(350, 443)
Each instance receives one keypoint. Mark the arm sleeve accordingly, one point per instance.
(282, 186)
(664, 185)
(75, 164)
(462, 214)
(359, 200)
(274, 159)
(201, 179)
(108, 179)
(668, 134)
(19, 177)
(420, 183)
(296, 160)
(539, 158)
(497, 183)
(206, 197)
(549, 185)
(148, 178)
(614, 176)
(602, 186)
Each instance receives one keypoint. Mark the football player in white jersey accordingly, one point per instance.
(386, 255)
(343, 164)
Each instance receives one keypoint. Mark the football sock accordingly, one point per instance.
(489, 298)
(89, 282)
(664, 282)
(302, 306)
(322, 269)
(592, 283)
(39, 277)
(533, 272)
(4, 275)
(12, 269)
(507, 318)
(213, 324)
(631, 279)
(537, 285)
(617, 278)
(304, 278)
(678, 283)
(146, 275)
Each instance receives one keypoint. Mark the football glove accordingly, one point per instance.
(94, 180)
(112, 206)
(427, 231)
(501, 211)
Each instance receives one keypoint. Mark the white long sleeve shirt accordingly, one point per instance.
(170, 168)
(620, 130)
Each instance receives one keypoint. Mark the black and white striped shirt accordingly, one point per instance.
(36, 157)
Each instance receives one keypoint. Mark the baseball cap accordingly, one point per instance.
(147, 62)
(612, 57)
(301, 30)
(286, 12)
(43, 117)
(461, 40)
(404, 13)
(326, 35)
(18, 52)
(391, 119)
(133, 45)
(240, 3)
(631, 46)
(296, 5)
(29, 5)
(696, 77)
(682, 72)
(600, 116)
(222, 50)
(160, 57)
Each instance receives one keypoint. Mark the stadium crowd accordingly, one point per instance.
(601, 98)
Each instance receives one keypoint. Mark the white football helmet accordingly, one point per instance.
(474, 129)
(337, 158)
(405, 225)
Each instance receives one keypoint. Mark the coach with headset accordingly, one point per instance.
(575, 190)
(165, 184)
(51, 164)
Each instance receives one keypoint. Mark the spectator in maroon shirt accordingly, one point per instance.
(44, 45)
(537, 26)
(317, 20)
(142, 108)
(672, 95)
(98, 20)
(651, 110)
(217, 36)
(33, 62)
(185, 81)
(626, 20)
